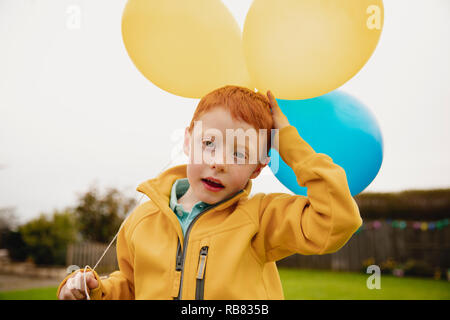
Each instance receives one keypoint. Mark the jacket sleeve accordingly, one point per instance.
(119, 285)
(320, 223)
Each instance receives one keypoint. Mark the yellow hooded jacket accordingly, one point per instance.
(229, 251)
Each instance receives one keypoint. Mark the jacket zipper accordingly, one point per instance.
(200, 287)
(181, 256)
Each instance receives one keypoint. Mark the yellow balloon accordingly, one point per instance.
(302, 49)
(187, 48)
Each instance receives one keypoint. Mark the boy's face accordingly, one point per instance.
(224, 149)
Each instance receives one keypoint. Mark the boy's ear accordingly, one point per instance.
(187, 141)
(259, 168)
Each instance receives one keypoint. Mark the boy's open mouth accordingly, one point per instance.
(213, 184)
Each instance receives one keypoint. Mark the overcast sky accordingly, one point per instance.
(75, 112)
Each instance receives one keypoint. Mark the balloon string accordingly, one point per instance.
(117, 233)
(88, 297)
(105, 251)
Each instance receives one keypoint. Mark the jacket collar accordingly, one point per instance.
(159, 189)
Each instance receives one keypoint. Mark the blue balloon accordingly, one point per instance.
(340, 126)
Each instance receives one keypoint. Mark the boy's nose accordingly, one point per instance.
(217, 166)
(217, 162)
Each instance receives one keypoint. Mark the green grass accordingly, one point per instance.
(317, 285)
(48, 293)
(329, 285)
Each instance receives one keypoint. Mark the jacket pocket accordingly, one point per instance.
(201, 272)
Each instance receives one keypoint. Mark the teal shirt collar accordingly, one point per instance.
(185, 218)
(179, 188)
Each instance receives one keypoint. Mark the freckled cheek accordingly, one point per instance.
(239, 178)
(194, 172)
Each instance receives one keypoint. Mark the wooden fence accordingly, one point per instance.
(377, 246)
(88, 253)
(369, 246)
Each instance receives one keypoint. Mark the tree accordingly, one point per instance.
(10, 238)
(47, 238)
(99, 217)
(8, 222)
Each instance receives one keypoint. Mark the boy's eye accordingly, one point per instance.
(208, 143)
(239, 155)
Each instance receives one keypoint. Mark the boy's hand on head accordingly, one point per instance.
(73, 289)
(279, 119)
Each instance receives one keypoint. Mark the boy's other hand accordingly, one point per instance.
(279, 119)
(73, 289)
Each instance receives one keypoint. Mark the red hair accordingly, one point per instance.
(242, 103)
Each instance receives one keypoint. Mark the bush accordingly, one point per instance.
(366, 263)
(405, 205)
(388, 266)
(418, 268)
(412, 268)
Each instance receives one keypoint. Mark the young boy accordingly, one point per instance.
(201, 236)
